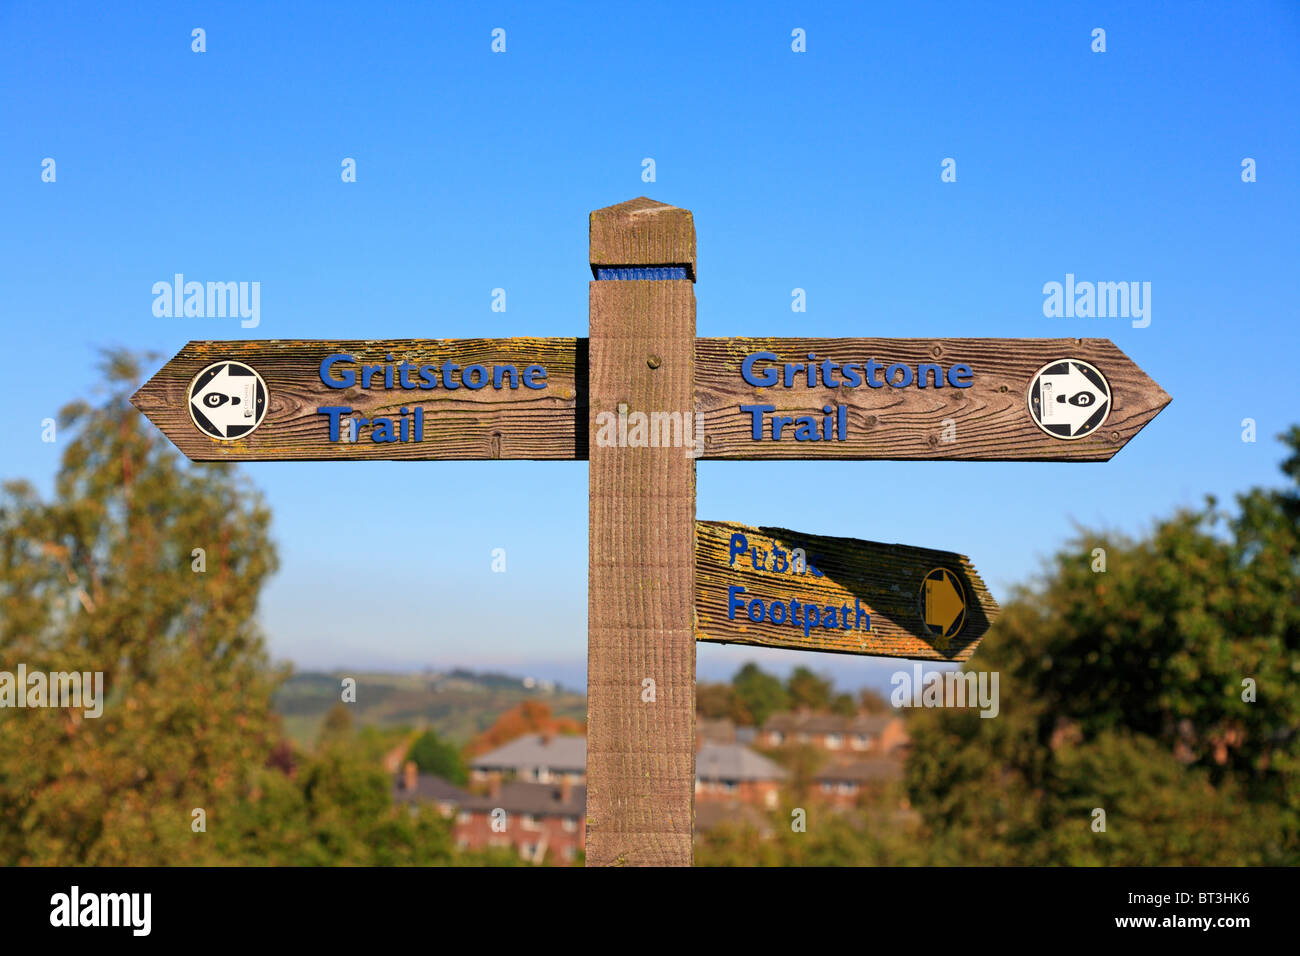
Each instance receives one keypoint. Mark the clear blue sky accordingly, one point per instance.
(818, 170)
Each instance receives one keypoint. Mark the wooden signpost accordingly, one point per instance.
(642, 399)
(841, 595)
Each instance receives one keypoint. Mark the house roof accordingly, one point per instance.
(566, 753)
(861, 771)
(428, 787)
(539, 799)
(788, 723)
(734, 762)
(721, 730)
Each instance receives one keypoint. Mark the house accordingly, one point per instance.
(731, 772)
(720, 730)
(841, 785)
(413, 787)
(536, 819)
(835, 734)
(723, 730)
(535, 758)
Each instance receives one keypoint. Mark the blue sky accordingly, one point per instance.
(818, 170)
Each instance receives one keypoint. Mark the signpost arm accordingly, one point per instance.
(641, 583)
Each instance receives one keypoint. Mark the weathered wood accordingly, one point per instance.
(640, 635)
(988, 421)
(883, 579)
(457, 423)
(642, 232)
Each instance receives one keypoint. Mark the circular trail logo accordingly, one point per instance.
(1069, 399)
(943, 605)
(227, 400)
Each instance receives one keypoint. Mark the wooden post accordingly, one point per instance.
(641, 579)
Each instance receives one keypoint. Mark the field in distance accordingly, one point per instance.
(456, 704)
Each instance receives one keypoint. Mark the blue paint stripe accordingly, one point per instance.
(641, 272)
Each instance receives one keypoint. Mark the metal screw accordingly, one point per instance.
(654, 361)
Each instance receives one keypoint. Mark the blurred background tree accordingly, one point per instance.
(432, 754)
(105, 577)
(149, 568)
(756, 695)
(1161, 691)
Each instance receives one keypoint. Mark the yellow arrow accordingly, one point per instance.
(944, 602)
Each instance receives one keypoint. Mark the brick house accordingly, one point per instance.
(841, 785)
(540, 820)
(861, 734)
(731, 772)
(534, 758)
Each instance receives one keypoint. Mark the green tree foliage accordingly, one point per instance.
(1124, 690)
(879, 836)
(102, 578)
(432, 754)
(808, 690)
(872, 703)
(843, 705)
(713, 701)
(756, 695)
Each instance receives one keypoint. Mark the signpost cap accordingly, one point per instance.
(643, 232)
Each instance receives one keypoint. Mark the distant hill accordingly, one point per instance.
(456, 704)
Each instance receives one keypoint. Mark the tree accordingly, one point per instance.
(526, 717)
(808, 690)
(1128, 691)
(843, 705)
(871, 702)
(713, 701)
(336, 728)
(146, 570)
(756, 696)
(432, 754)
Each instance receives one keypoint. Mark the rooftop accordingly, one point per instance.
(788, 723)
(538, 799)
(734, 762)
(428, 787)
(556, 752)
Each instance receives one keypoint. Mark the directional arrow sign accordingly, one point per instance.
(407, 399)
(779, 588)
(968, 399)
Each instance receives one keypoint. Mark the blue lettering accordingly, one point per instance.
(349, 377)
(767, 378)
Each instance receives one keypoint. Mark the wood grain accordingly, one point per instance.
(459, 423)
(642, 232)
(640, 753)
(991, 418)
(884, 578)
